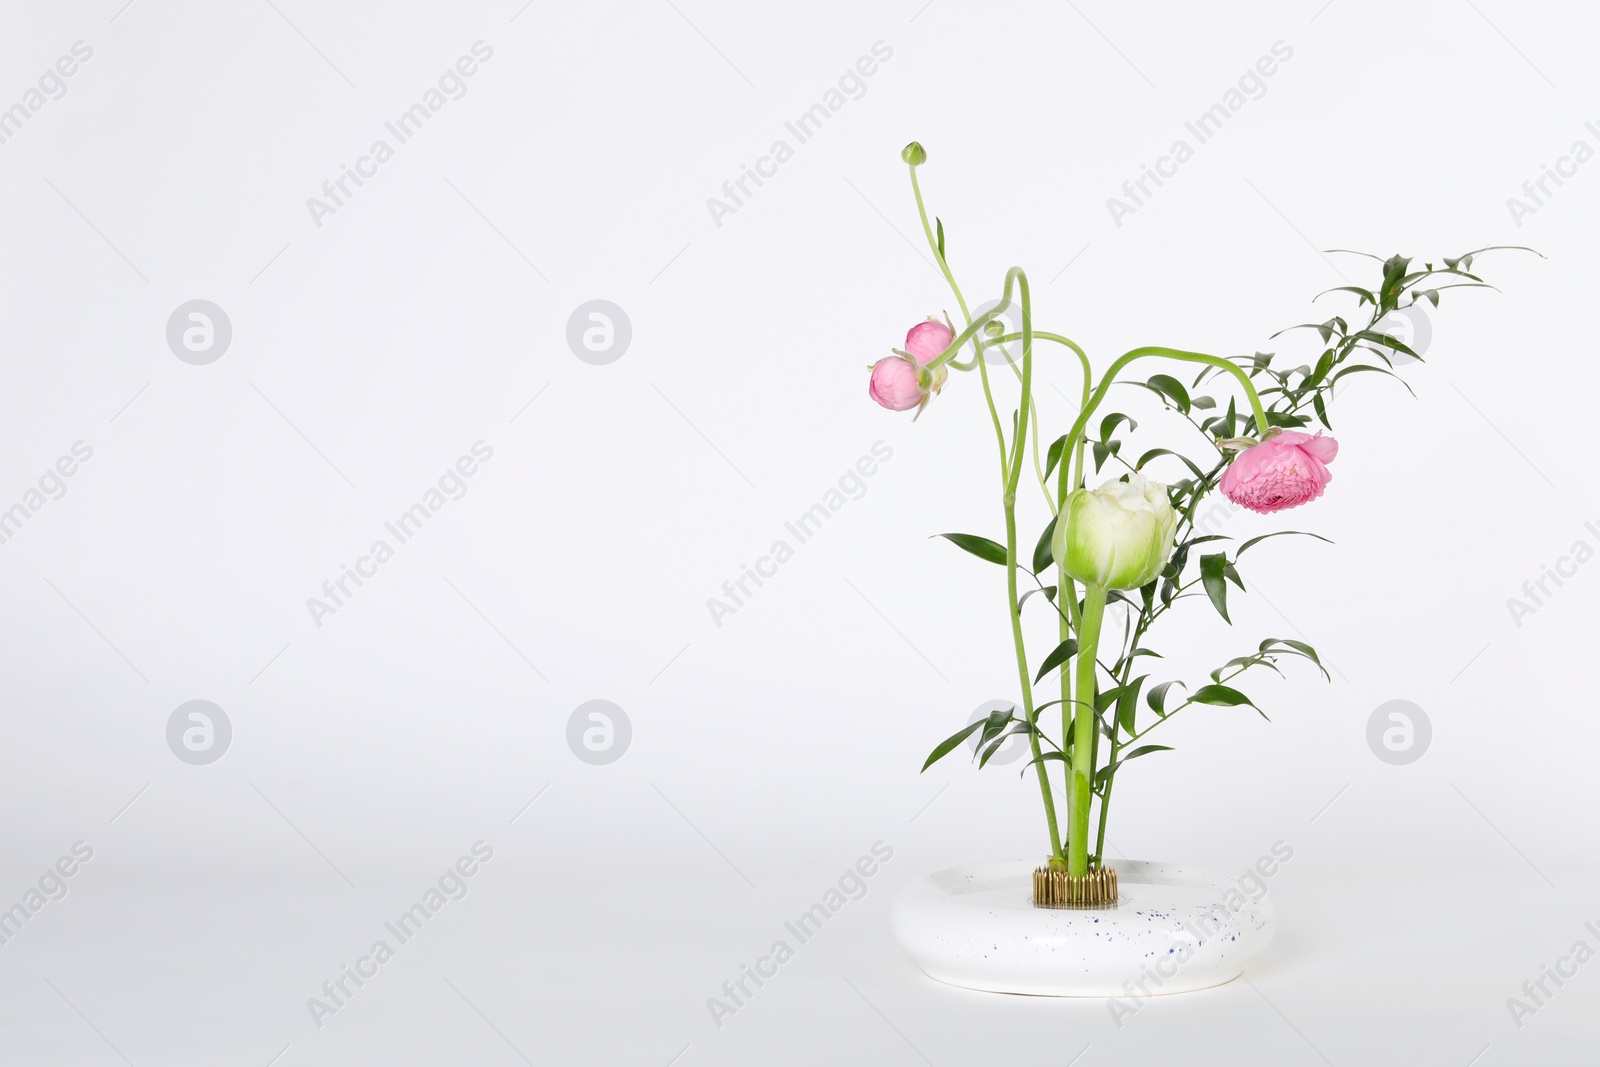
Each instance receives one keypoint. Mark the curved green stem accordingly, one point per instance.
(1067, 342)
(1066, 588)
(949, 356)
(933, 243)
(1011, 469)
(1013, 478)
(1088, 381)
(974, 325)
(1228, 365)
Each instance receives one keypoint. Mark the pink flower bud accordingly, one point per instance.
(894, 384)
(1284, 471)
(927, 340)
(898, 382)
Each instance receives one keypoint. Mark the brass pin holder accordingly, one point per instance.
(1055, 888)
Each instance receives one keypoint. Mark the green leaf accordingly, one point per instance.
(1245, 663)
(1180, 554)
(1366, 295)
(1355, 252)
(1041, 551)
(1169, 387)
(1394, 270)
(949, 744)
(995, 723)
(1325, 330)
(981, 547)
(1049, 592)
(1109, 424)
(1386, 341)
(940, 227)
(1104, 773)
(1064, 757)
(1128, 703)
(1221, 696)
(1322, 412)
(1280, 533)
(1357, 368)
(1062, 652)
(1054, 455)
(1157, 697)
(1103, 451)
(994, 746)
(1324, 364)
(1300, 647)
(1211, 575)
(1154, 452)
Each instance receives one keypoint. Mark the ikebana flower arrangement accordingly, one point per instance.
(1264, 441)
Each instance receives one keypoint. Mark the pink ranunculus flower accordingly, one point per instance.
(928, 339)
(894, 384)
(898, 383)
(1284, 471)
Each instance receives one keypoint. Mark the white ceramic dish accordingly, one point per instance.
(1173, 929)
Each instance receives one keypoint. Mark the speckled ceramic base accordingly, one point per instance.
(1173, 929)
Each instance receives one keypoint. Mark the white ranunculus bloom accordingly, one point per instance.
(1117, 536)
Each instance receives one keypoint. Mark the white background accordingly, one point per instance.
(768, 752)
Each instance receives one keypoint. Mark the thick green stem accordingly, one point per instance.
(1080, 789)
(1068, 477)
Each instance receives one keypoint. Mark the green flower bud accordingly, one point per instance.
(914, 154)
(1117, 536)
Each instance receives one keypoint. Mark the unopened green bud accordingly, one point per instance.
(914, 154)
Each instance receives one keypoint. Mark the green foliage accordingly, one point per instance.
(1062, 652)
(981, 547)
(1042, 551)
(1298, 396)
